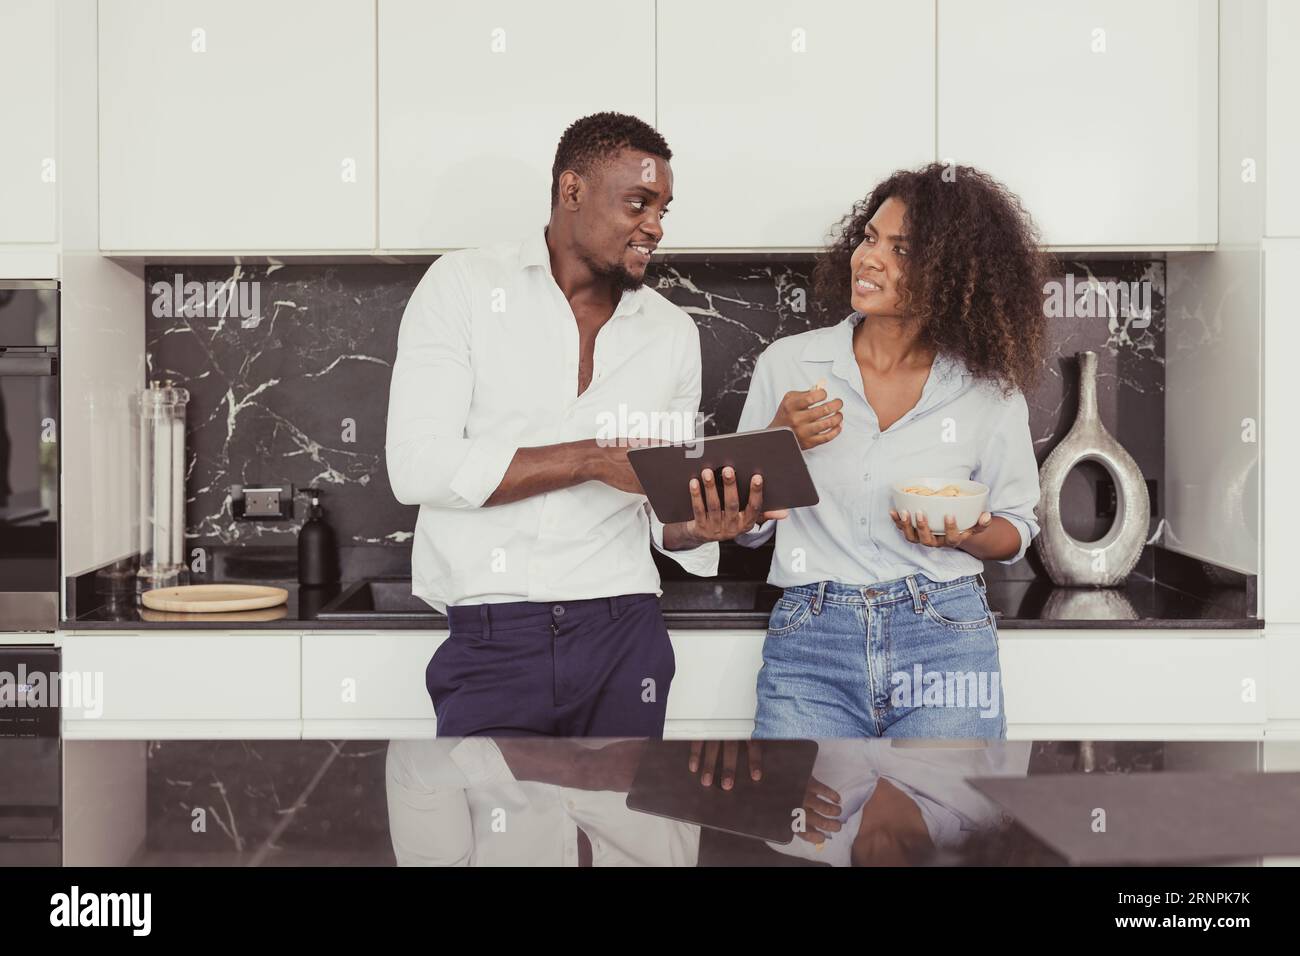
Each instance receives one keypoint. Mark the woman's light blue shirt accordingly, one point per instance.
(960, 428)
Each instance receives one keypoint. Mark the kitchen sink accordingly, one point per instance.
(384, 598)
(708, 594)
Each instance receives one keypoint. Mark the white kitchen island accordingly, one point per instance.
(1112, 684)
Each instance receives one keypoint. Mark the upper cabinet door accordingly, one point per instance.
(1100, 114)
(1282, 194)
(29, 85)
(473, 98)
(782, 114)
(237, 125)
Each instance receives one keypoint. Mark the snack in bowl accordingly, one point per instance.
(938, 497)
(947, 491)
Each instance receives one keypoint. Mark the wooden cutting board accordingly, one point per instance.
(208, 598)
(182, 617)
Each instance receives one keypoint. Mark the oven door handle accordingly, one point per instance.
(27, 363)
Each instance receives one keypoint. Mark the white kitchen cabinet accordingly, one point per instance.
(29, 84)
(368, 685)
(1280, 463)
(1283, 656)
(183, 685)
(1135, 684)
(473, 98)
(1104, 685)
(1100, 114)
(236, 125)
(782, 114)
(1282, 206)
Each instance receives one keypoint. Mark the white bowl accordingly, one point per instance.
(966, 508)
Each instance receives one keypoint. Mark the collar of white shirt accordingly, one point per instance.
(835, 344)
(533, 252)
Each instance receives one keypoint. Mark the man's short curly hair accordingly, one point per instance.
(597, 138)
(974, 274)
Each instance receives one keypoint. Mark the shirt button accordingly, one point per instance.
(866, 477)
(862, 521)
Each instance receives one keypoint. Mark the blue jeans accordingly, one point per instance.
(912, 657)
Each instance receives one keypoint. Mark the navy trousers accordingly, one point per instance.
(593, 668)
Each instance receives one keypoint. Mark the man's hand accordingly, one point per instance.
(719, 519)
(813, 423)
(822, 807)
(704, 760)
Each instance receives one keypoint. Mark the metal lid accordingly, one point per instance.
(164, 394)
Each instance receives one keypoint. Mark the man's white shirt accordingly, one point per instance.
(487, 363)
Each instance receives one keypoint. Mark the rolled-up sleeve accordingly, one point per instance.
(430, 459)
(760, 408)
(1008, 466)
(685, 407)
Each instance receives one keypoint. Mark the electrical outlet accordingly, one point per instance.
(262, 503)
(272, 503)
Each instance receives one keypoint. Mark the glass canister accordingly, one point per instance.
(162, 479)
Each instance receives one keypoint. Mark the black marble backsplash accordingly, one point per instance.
(289, 376)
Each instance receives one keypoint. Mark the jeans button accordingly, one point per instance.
(558, 610)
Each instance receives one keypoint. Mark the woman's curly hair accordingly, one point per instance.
(974, 274)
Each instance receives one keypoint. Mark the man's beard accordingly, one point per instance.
(617, 275)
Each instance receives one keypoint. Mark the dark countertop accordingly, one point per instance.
(1165, 591)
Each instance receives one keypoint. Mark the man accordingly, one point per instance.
(533, 534)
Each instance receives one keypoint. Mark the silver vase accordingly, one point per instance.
(1108, 561)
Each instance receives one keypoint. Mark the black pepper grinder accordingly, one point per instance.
(318, 553)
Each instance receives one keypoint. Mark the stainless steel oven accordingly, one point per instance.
(29, 455)
(31, 823)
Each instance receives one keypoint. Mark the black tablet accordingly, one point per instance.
(665, 471)
(665, 787)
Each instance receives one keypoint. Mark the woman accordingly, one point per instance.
(883, 628)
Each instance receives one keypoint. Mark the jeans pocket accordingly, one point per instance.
(961, 608)
(790, 614)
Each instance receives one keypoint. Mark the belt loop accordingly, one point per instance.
(485, 620)
(915, 592)
(819, 597)
(614, 609)
(984, 585)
